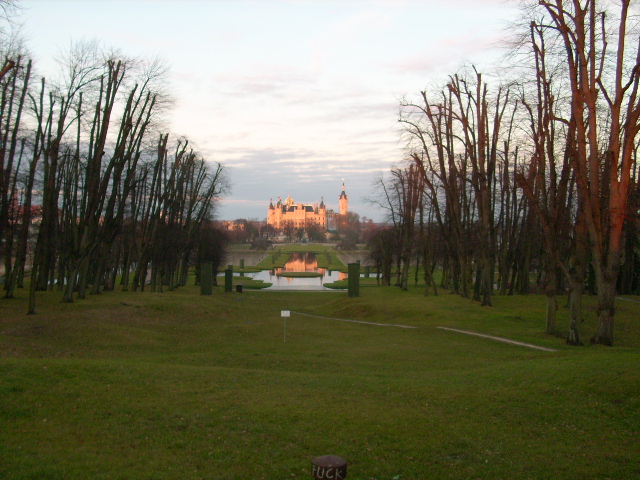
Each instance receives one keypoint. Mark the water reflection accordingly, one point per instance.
(299, 262)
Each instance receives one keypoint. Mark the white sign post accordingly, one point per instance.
(285, 314)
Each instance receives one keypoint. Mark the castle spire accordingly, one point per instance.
(343, 200)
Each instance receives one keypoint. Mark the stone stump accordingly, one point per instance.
(329, 467)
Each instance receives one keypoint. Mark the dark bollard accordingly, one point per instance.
(353, 279)
(206, 278)
(242, 264)
(228, 279)
(329, 467)
(239, 288)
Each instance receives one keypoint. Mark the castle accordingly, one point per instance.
(302, 215)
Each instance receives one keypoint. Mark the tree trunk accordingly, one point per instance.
(552, 308)
(575, 313)
(606, 311)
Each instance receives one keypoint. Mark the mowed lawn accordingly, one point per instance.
(178, 386)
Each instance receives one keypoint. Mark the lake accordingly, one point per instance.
(299, 262)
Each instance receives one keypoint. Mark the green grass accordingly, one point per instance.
(275, 259)
(338, 284)
(306, 247)
(247, 269)
(246, 282)
(330, 261)
(364, 282)
(180, 386)
(300, 274)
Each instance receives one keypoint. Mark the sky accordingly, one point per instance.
(293, 97)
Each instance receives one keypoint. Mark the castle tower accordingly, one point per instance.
(344, 201)
(271, 213)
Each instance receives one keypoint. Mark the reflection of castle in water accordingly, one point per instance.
(302, 262)
(299, 262)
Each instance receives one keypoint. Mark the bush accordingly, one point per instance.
(261, 243)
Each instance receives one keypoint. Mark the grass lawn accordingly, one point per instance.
(275, 259)
(175, 385)
(306, 247)
(300, 274)
(246, 282)
(330, 261)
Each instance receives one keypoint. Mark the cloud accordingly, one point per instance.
(275, 81)
(447, 56)
(346, 32)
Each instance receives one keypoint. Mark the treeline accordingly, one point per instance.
(534, 177)
(94, 191)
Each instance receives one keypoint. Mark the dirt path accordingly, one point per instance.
(627, 299)
(355, 321)
(466, 332)
(499, 339)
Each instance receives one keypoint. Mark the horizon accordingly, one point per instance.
(273, 199)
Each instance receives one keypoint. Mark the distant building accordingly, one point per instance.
(231, 225)
(303, 215)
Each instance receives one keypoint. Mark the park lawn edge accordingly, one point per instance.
(143, 385)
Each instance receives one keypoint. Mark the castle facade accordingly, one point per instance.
(303, 215)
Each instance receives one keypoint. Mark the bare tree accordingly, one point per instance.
(459, 138)
(549, 184)
(15, 216)
(483, 137)
(602, 59)
(443, 171)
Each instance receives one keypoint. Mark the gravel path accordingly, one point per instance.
(355, 321)
(627, 300)
(466, 332)
(499, 339)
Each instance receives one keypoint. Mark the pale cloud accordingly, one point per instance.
(272, 80)
(346, 32)
(448, 55)
(291, 96)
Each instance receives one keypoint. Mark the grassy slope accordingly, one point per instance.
(176, 385)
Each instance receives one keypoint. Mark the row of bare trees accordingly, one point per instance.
(534, 172)
(92, 189)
